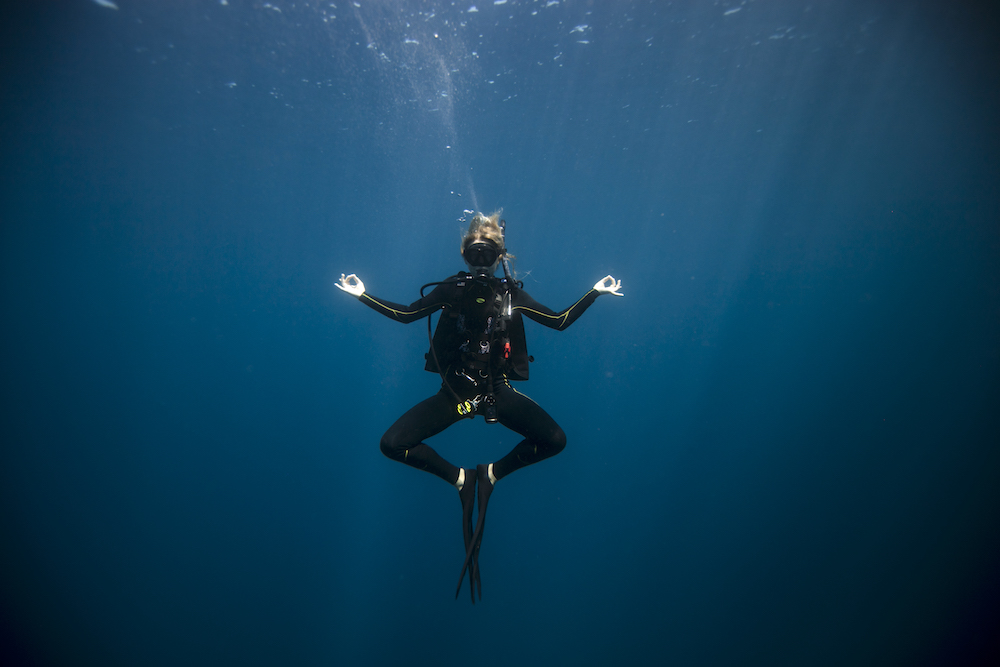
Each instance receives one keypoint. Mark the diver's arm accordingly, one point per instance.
(405, 314)
(417, 310)
(559, 321)
(550, 318)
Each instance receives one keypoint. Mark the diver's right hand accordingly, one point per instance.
(351, 284)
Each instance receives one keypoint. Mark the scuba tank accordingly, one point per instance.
(502, 325)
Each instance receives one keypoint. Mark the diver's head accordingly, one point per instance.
(483, 244)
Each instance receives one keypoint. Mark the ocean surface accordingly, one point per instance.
(782, 442)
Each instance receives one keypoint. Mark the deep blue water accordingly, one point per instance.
(782, 441)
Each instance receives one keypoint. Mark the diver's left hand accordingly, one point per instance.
(608, 285)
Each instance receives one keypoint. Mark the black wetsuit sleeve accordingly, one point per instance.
(419, 309)
(545, 315)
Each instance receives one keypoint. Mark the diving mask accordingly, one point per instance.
(481, 255)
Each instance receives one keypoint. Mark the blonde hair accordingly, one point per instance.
(484, 228)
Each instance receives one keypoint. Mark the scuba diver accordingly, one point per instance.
(478, 348)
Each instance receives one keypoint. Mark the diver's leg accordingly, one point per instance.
(542, 438)
(403, 441)
(542, 435)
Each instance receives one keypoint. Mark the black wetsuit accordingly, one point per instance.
(466, 322)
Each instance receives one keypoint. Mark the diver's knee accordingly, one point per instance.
(390, 447)
(557, 443)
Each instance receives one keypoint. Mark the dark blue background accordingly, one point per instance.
(782, 441)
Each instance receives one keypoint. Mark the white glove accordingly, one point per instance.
(608, 285)
(351, 284)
